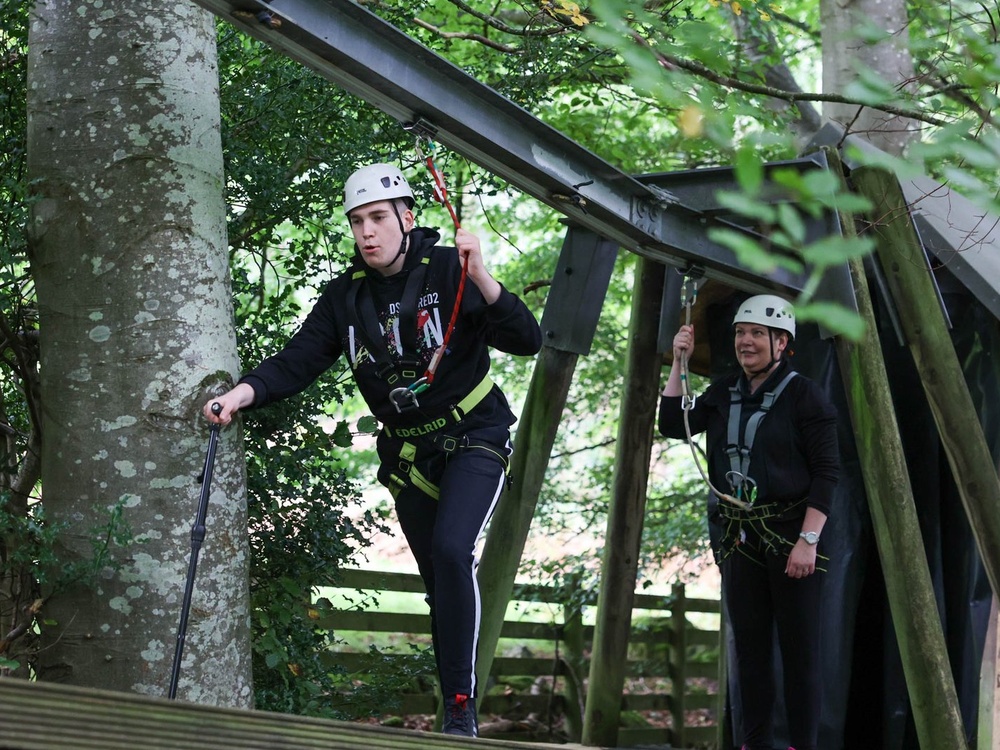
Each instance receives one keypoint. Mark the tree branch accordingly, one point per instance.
(670, 62)
(484, 40)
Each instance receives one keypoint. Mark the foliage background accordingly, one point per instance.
(657, 86)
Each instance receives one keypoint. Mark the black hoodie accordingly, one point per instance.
(794, 454)
(329, 331)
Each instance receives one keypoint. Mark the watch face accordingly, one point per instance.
(810, 536)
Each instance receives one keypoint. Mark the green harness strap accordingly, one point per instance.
(407, 474)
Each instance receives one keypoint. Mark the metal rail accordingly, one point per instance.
(375, 61)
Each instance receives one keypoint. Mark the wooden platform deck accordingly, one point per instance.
(45, 716)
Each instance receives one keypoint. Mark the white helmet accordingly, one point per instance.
(376, 182)
(767, 310)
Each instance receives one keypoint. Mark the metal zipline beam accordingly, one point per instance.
(373, 60)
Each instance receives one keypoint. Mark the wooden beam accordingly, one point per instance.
(628, 502)
(508, 531)
(912, 604)
(908, 275)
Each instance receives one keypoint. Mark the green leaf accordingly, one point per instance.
(294, 588)
(342, 437)
(368, 425)
(747, 206)
(834, 250)
(749, 170)
(790, 220)
(836, 318)
(750, 253)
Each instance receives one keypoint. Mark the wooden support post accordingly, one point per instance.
(724, 723)
(678, 666)
(925, 329)
(625, 516)
(988, 734)
(914, 610)
(536, 432)
(576, 663)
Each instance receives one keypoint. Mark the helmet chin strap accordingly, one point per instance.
(403, 242)
(772, 363)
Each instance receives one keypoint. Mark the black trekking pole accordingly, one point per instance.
(197, 537)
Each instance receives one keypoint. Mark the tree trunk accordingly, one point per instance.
(129, 256)
(625, 517)
(845, 54)
(759, 47)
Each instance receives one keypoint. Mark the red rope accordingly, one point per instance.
(441, 195)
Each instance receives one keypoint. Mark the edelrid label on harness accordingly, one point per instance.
(407, 432)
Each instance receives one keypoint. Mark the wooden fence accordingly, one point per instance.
(542, 662)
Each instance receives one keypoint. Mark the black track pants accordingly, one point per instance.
(442, 535)
(759, 595)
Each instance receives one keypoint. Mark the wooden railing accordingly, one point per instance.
(673, 666)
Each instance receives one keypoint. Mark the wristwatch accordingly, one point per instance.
(811, 537)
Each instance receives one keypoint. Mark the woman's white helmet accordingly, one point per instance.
(767, 310)
(376, 182)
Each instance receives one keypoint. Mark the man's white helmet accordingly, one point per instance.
(376, 182)
(767, 310)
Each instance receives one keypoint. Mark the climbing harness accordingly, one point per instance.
(454, 415)
(361, 307)
(405, 471)
(739, 455)
(764, 523)
(689, 294)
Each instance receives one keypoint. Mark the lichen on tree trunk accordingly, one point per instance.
(128, 251)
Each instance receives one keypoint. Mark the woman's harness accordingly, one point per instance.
(738, 475)
(735, 520)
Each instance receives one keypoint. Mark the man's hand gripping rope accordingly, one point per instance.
(409, 393)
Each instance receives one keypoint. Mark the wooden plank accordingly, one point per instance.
(376, 580)
(46, 716)
(665, 603)
(375, 622)
(911, 283)
(638, 736)
(679, 669)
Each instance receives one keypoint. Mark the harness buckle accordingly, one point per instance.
(403, 399)
(388, 373)
(739, 483)
(449, 444)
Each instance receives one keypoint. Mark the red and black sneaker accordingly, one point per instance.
(460, 716)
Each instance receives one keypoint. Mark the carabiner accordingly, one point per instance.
(403, 399)
(744, 483)
(689, 291)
